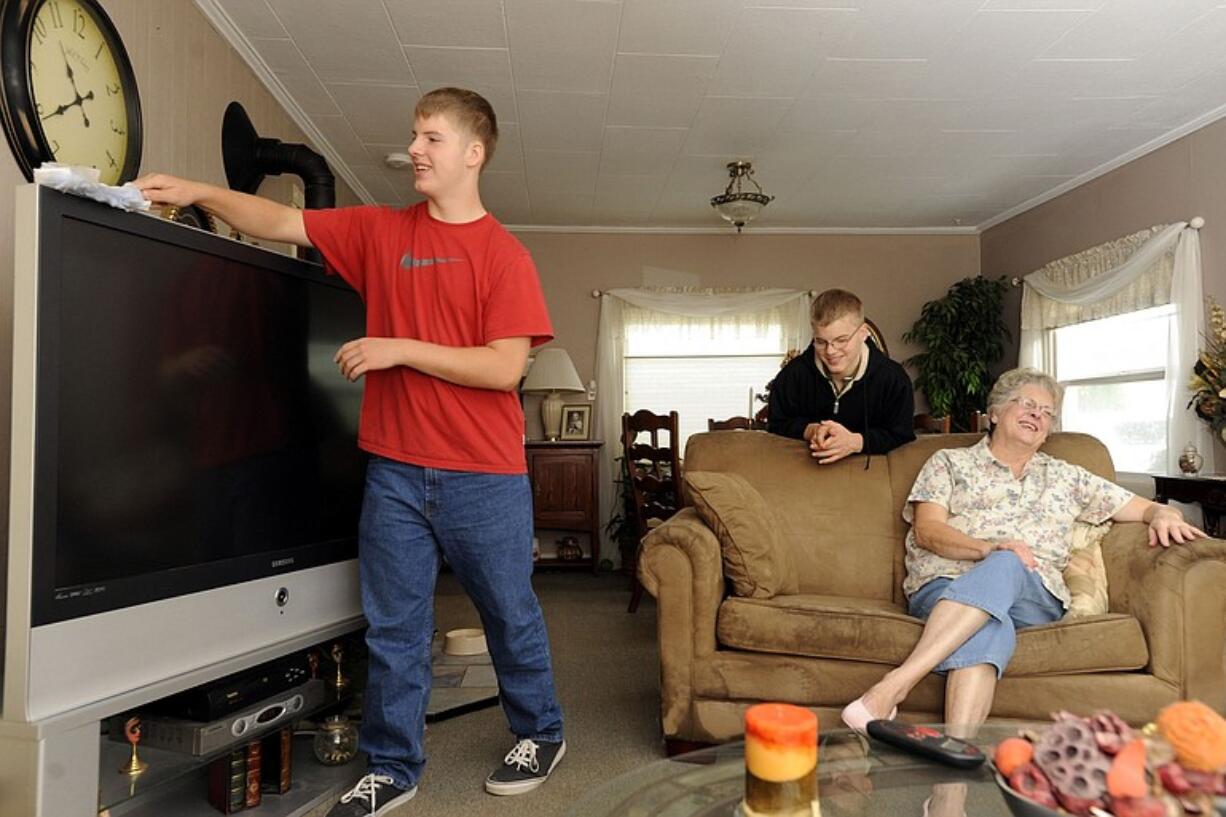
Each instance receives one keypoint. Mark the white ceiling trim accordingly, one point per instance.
(1105, 168)
(238, 41)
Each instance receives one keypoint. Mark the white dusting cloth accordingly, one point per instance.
(83, 181)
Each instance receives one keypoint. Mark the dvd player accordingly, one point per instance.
(216, 699)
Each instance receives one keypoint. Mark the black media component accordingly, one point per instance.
(238, 691)
(927, 742)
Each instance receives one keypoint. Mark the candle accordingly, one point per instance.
(780, 761)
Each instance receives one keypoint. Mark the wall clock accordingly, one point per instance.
(69, 93)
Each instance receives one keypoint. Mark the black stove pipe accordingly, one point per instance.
(249, 157)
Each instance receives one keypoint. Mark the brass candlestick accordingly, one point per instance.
(338, 652)
(134, 766)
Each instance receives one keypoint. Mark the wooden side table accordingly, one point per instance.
(565, 494)
(1208, 492)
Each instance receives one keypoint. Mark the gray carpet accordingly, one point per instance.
(605, 665)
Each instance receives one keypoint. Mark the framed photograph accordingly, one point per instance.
(576, 422)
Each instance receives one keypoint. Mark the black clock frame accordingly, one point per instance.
(17, 107)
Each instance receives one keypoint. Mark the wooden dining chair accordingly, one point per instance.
(653, 469)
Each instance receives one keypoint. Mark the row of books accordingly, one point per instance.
(239, 779)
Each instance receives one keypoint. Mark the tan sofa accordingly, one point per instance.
(1161, 641)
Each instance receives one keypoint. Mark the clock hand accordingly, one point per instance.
(62, 108)
(58, 110)
(72, 79)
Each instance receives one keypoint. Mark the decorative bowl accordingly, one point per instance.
(1023, 806)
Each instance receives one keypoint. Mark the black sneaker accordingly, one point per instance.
(373, 795)
(525, 767)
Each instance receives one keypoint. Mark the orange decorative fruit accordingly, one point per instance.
(1012, 753)
(1126, 777)
(1197, 733)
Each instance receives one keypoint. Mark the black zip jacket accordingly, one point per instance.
(881, 405)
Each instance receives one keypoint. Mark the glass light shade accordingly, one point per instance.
(740, 209)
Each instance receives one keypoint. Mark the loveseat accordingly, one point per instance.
(846, 624)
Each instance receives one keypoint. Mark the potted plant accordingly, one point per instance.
(622, 526)
(963, 335)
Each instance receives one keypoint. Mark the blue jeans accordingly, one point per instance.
(1002, 587)
(482, 524)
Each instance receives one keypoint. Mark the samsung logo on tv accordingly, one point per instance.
(288, 560)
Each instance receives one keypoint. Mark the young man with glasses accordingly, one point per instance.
(842, 394)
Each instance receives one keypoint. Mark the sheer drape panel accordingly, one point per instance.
(1183, 351)
(1148, 268)
(688, 316)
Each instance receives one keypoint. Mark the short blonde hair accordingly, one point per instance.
(467, 109)
(834, 304)
(1011, 382)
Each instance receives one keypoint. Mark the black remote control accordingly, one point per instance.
(926, 741)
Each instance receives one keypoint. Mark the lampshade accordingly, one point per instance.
(737, 205)
(552, 372)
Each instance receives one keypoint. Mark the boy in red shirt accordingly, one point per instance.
(453, 304)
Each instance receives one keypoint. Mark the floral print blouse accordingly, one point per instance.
(987, 502)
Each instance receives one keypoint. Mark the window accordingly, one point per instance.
(701, 370)
(1114, 374)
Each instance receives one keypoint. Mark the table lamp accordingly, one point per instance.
(552, 372)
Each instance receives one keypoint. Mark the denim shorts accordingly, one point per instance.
(1007, 591)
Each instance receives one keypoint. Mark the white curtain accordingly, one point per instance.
(694, 310)
(1149, 268)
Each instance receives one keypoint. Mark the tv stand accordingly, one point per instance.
(50, 768)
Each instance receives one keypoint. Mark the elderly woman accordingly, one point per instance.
(990, 534)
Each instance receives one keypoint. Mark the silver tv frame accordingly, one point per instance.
(129, 654)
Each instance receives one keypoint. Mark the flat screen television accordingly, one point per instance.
(185, 483)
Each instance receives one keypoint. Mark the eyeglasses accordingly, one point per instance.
(1032, 407)
(836, 343)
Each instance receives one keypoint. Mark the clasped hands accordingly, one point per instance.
(830, 441)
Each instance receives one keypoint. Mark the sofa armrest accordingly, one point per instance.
(1176, 594)
(680, 565)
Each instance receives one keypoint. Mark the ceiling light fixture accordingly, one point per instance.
(736, 205)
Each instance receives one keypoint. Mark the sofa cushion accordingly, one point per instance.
(755, 560)
(1085, 575)
(880, 632)
(836, 519)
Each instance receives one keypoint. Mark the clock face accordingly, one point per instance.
(77, 86)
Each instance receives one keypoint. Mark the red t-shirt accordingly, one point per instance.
(457, 285)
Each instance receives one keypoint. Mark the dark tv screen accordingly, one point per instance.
(192, 429)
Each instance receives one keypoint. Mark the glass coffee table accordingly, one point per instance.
(855, 776)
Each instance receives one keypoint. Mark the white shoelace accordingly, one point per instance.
(366, 788)
(523, 756)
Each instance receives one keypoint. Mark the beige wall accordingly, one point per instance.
(1174, 183)
(893, 274)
